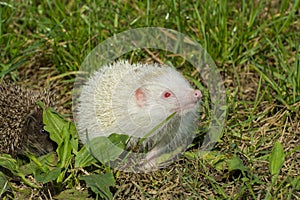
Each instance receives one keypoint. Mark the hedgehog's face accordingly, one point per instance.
(38, 141)
(163, 101)
(159, 101)
(167, 91)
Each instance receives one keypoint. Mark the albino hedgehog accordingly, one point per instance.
(134, 99)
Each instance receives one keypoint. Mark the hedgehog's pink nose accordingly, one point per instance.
(197, 94)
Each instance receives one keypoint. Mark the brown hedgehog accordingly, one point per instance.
(21, 121)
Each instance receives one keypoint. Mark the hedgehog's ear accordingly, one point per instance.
(140, 97)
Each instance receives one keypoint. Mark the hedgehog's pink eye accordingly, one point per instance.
(167, 94)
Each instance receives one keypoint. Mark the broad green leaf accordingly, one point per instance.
(103, 149)
(120, 140)
(8, 162)
(276, 159)
(11, 164)
(53, 125)
(48, 176)
(84, 158)
(235, 163)
(100, 184)
(63, 133)
(42, 163)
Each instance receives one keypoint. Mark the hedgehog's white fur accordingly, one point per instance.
(129, 99)
(107, 103)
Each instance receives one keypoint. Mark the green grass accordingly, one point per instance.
(256, 46)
